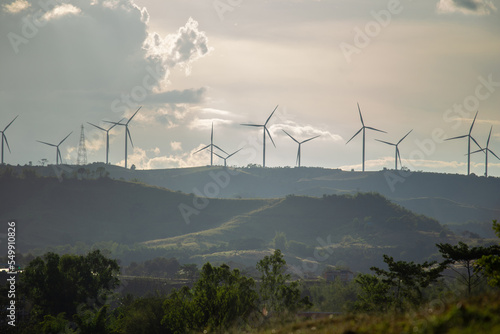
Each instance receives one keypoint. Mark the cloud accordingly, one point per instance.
(176, 145)
(179, 49)
(16, 6)
(141, 160)
(466, 7)
(60, 11)
(206, 123)
(303, 132)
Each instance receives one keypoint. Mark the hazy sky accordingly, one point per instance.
(424, 65)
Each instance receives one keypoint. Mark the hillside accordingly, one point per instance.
(449, 198)
(338, 229)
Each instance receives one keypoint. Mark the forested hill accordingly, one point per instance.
(449, 198)
(52, 212)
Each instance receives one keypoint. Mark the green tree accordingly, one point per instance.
(463, 260)
(401, 284)
(142, 316)
(275, 294)
(218, 299)
(491, 263)
(56, 284)
(279, 241)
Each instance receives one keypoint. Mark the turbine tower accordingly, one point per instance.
(4, 137)
(58, 152)
(229, 156)
(107, 137)
(127, 133)
(300, 143)
(211, 145)
(82, 150)
(486, 150)
(363, 128)
(264, 127)
(469, 137)
(397, 149)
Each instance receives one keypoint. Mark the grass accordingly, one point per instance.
(469, 316)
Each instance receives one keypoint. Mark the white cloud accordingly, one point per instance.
(60, 11)
(466, 7)
(303, 132)
(141, 160)
(206, 123)
(16, 6)
(176, 145)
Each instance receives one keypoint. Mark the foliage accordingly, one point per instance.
(332, 296)
(275, 294)
(56, 284)
(399, 286)
(218, 299)
(466, 258)
(491, 263)
(142, 316)
(157, 267)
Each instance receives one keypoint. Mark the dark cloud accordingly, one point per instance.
(475, 7)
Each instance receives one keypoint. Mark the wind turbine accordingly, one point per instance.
(4, 137)
(127, 133)
(264, 126)
(486, 150)
(229, 156)
(211, 145)
(363, 128)
(397, 149)
(469, 138)
(107, 136)
(300, 143)
(58, 152)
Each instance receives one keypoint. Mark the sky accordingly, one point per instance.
(425, 66)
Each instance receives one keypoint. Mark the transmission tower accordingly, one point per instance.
(82, 151)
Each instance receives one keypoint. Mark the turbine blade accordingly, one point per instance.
(217, 147)
(129, 136)
(404, 137)
(289, 135)
(473, 123)
(10, 123)
(201, 149)
(115, 124)
(481, 150)
(6, 141)
(134, 115)
(97, 126)
(360, 116)
(489, 136)
(252, 125)
(354, 136)
(270, 115)
(457, 137)
(476, 142)
(385, 142)
(65, 138)
(298, 156)
(220, 156)
(269, 134)
(368, 127)
(233, 153)
(305, 141)
(47, 143)
(399, 156)
(60, 156)
(496, 156)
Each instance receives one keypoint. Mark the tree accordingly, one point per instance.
(491, 263)
(56, 284)
(401, 284)
(280, 241)
(275, 294)
(466, 257)
(218, 299)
